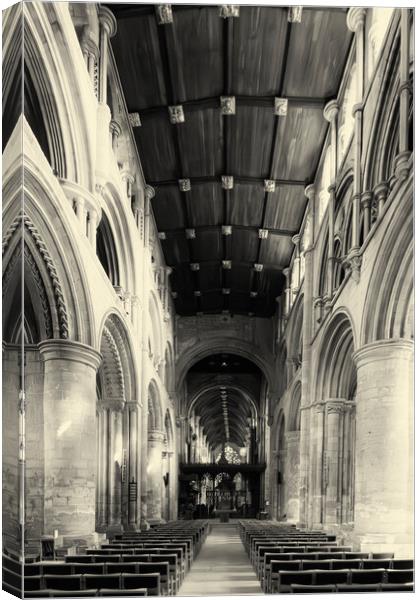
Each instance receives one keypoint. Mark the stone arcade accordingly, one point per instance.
(211, 207)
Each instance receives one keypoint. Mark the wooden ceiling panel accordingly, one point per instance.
(207, 246)
(192, 61)
(251, 127)
(155, 139)
(176, 250)
(277, 252)
(142, 76)
(244, 245)
(212, 302)
(285, 207)
(258, 48)
(210, 277)
(205, 204)
(246, 204)
(201, 143)
(300, 135)
(241, 277)
(167, 208)
(199, 41)
(321, 39)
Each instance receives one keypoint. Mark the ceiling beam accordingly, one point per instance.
(214, 102)
(236, 178)
(237, 263)
(205, 228)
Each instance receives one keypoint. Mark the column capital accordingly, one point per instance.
(296, 239)
(381, 190)
(107, 20)
(356, 18)
(331, 110)
(70, 351)
(310, 191)
(382, 350)
(115, 127)
(149, 192)
(286, 271)
(155, 436)
(335, 406)
(366, 198)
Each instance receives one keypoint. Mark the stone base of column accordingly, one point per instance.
(78, 540)
(111, 530)
(400, 544)
(154, 522)
(144, 525)
(132, 527)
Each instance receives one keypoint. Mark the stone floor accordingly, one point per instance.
(222, 568)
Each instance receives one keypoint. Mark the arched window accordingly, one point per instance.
(106, 250)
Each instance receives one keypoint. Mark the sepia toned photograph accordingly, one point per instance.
(208, 299)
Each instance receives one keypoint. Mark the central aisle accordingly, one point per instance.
(222, 567)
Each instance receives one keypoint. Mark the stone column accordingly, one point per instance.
(288, 303)
(355, 22)
(92, 225)
(401, 161)
(333, 441)
(115, 457)
(102, 479)
(384, 447)
(306, 363)
(144, 431)
(296, 264)
(69, 437)
(366, 200)
(291, 474)
(132, 465)
(154, 476)
(108, 28)
(149, 193)
(317, 437)
(80, 213)
(330, 114)
(347, 496)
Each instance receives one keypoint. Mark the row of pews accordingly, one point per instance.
(147, 563)
(288, 560)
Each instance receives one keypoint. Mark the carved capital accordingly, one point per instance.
(356, 18)
(331, 111)
(310, 191)
(366, 199)
(149, 192)
(107, 20)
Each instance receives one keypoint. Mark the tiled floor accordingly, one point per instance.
(222, 568)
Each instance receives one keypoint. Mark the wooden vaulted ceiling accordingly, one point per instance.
(193, 61)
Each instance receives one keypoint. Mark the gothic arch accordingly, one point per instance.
(57, 85)
(59, 269)
(383, 138)
(388, 310)
(335, 368)
(220, 344)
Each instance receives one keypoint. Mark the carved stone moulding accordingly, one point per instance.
(164, 12)
(176, 114)
(134, 119)
(280, 107)
(227, 182)
(226, 229)
(195, 266)
(294, 14)
(258, 267)
(263, 234)
(229, 10)
(227, 264)
(190, 234)
(228, 105)
(269, 185)
(184, 185)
